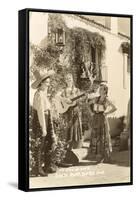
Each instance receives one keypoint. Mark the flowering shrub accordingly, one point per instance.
(55, 151)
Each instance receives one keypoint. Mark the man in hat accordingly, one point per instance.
(42, 123)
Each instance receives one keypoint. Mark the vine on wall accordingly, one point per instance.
(81, 43)
(125, 47)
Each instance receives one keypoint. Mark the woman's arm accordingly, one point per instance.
(92, 100)
(112, 106)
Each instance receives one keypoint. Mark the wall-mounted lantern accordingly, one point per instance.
(60, 37)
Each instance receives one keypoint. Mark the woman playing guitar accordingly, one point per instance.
(72, 115)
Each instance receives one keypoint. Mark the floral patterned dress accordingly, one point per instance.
(72, 118)
(100, 142)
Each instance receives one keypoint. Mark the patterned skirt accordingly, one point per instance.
(73, 131)
(100, 142)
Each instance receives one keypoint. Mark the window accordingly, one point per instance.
(60, 37)
(93, 65)
(99, 68)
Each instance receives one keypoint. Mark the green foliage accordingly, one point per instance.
(32, 161)
(48, 58)
(56, 21)
(81, 41)
(44, 57)
(92, 39)
(54, 151)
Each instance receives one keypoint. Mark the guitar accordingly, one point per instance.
(63, 105)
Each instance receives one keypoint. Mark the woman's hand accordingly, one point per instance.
(112, 106)
(44, 133)
(68, 101)
(105, 114)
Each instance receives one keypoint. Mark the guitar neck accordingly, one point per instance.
(75, 98)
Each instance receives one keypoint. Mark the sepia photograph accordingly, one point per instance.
(79, 99)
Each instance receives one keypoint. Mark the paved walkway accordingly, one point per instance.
(87, 173)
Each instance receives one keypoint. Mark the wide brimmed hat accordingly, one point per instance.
(40, 76)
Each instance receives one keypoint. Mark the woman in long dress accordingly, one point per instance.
(72, 117)
(100, 142)
(71, 120)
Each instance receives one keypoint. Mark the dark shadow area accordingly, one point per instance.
(121, 158)
(87, 163)
(13, 184)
